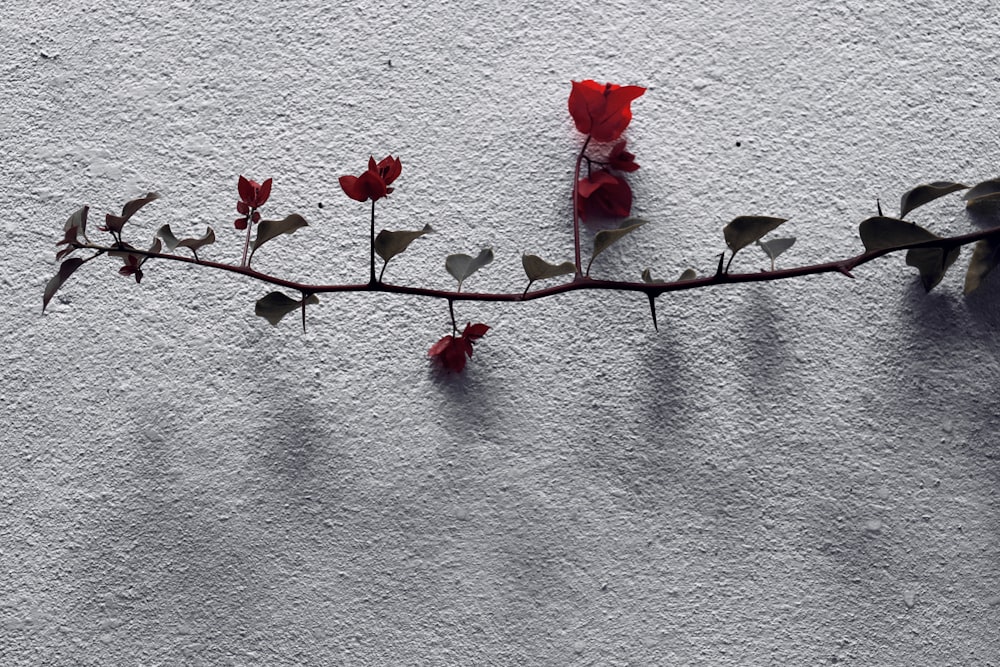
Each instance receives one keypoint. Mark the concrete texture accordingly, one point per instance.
(802, 473)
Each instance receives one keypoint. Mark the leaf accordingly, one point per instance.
(116, 222)
(168, 237)
(647, 277)
(462, 266)
(928, 192)
(775, 247)
(985, 190)
(880, 233)
(689, 274)
(195, 243)
(75, 227)
(268, 229)
(276, 305)
(537, 268)
(66, 269)
(985, 258)
(606, 237)
(746, 229)
(389, 244)
(932, 263)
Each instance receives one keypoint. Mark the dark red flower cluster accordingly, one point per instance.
(253, 195)
(451, 351)
(603, 112)
(374, 182)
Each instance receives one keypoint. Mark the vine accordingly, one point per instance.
(601, 113)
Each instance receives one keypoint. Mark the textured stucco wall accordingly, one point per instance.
(797, 473)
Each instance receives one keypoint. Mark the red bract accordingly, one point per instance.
(603, 195)
(621, 159)
(602, 111)
(132, 267)
(451, 351)
(374, 182)
(252, 193)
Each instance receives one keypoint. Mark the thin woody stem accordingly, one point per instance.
(372, 279)
(576, 208)
(843, 266)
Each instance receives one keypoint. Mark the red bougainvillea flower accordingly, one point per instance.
(621, 159)
(603, 195)
(451, 351)
(253, 195)
(374, 182)
(602, 111)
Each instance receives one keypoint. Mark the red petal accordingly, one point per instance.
(240, 223)
(585, 100)
(263, 193)
(241, 207)
(349, 184)
(245, 190)
(474, 332)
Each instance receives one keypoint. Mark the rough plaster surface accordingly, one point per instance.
(801, 473)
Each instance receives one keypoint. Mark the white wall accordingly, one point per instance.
(788, 473)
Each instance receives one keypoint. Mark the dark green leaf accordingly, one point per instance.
(537, 268)
(985, 190)
(389, 244)
(746, 229)
(985, 258)
(116, 222)
(75, 228)
(606, 237)
(462, 266)
(880, 233)
(195, 243)
(276, 305)
(932, 263)
(775, 247)
(268, 229)
(66, 269)
(928, 192)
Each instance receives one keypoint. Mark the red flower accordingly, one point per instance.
(603, 195)
(451, 351)
(621, 159)
(374, 182)
(253, 195)
(602, 111)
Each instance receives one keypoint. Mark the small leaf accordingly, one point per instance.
(689, 274)
(932, 263)
(985, 190)
(606, 237)
(985, 258)
(276, 305)
(195, 243)
(775, 247)
(268, 229)
(880, 233)
(746, 229)
(462, 266)
(389, 244)
(928, 192)
(537, 268)
(169, 240)
(647, 277)
(66, 269)
(116, 222)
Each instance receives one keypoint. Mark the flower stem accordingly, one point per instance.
(451, 311)
(576, 211)
(372, 279)
(246, 244)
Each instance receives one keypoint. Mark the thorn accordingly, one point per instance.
(722, 257)
(878, 205)
(652, 310)
(845, 271)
